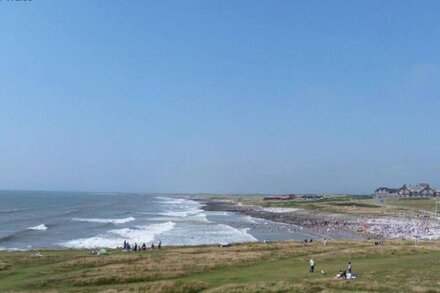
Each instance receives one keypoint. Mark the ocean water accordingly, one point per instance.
(32, 220)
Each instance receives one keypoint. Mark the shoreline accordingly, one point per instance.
(400, 225)
(329, 226)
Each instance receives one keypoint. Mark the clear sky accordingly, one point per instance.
(219, 96)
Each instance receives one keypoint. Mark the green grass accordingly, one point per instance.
(254, 267)
(356, 204)
(422, 204)
(343, 204)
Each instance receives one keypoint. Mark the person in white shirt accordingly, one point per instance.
(312, 265)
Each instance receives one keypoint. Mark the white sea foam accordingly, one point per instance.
(40, 227)
(114, 238)
(171, 200)
(179, 210)
(187, 213)
(250, 219)
(98, 220)
(175, 214)
(213, 234)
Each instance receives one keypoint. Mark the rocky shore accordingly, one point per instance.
(339, 226)
(325, 224)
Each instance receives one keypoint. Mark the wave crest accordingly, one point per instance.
(98, 220)
(114, 238)
(40, 227)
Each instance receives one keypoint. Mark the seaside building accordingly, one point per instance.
(419, 190)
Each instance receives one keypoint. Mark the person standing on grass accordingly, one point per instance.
(349, 267)
(312, 265)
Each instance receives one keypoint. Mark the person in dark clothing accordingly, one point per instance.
(144, 247)
(343, 274)
(135, 246)
(159, 245)
(152, 245)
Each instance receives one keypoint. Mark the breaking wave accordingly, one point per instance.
(40, 227)
(114, 238)
(98, 220)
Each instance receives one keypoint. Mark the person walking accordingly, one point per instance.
(312, 265)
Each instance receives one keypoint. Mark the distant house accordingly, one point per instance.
(419, 190)
(280, 197)
(311, 196)
(385, 191)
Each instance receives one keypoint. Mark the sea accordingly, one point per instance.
(57, 220)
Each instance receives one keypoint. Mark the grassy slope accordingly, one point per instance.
(277, 267)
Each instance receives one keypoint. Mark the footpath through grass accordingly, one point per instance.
(254, 267)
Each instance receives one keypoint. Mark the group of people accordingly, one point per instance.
(324, 241)
(343, 274)
(308, 241)
(346, 274)
(137, 247)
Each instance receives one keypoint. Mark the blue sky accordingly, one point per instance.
(219, 96)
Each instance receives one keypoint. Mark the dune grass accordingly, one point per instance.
(251, 267)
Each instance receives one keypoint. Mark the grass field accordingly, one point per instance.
(422, 204)
(255, 267)
(344, 204)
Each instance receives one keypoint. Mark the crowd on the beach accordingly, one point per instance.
(127, 246)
